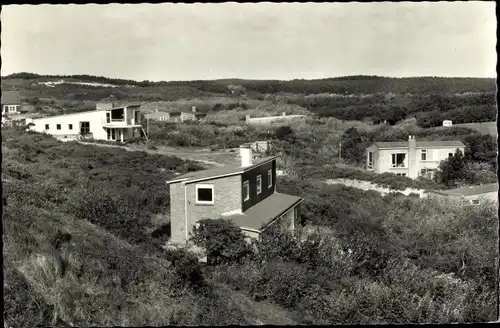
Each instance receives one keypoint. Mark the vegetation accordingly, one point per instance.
(390, 260)
(84, 225)
(81, 242)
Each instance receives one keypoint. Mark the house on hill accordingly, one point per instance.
(412, 158)
(108, 123)
(177, 115)
(244, 193)
(11, 102)
(473, 194)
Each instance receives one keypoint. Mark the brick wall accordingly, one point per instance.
(177, 219)
(227, 193)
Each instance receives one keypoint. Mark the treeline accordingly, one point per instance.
(339, 85)
(429, 110)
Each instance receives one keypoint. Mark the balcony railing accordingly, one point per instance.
(120, 122)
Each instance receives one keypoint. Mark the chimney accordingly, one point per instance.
(283, 114)
(412, 158)
(156, 110)
(193, 109)
(246, 156)
(247, 117)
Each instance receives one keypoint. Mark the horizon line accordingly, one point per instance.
(255, 79)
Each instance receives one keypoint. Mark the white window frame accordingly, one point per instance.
(205, 186)
(423, 153)
(394, 160)
(47, 127)
(269, 178)
(259, 184)
(246, 185)
(58, 127)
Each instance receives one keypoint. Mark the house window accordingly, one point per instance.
(450, 155)
(259, 184)
(84, 127)
(204, 194)
(423, 154)
(246, 191)
(58, 126)
(46, 126)
(398, 160)
(475, 202)
(269, 179)
(370, 160)
(117, 115)
(70, 126)
(401, 174)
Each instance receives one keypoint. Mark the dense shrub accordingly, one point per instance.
(222, 240)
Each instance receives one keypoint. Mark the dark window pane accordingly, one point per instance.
(205, 194)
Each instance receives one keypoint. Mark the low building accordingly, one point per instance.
(11, 102)
(272, 119)
(412, 158)
(259, 147)
(473, 194)
(113, 124)
(244, 193)
(158, 116)
(178, 116)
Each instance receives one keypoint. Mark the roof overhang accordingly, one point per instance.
(283, 212)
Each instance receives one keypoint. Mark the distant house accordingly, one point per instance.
(412, 158)
(177, 115)
(271, 119)
(11, 102)
(473, 194)
(113, 124)
(242, 193)
(258, 146)
(158, 116)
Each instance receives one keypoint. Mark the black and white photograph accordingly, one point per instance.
(215, 164)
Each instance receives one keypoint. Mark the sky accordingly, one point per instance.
(165, 42)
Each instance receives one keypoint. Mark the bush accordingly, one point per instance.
(222, 240)
(187, 268)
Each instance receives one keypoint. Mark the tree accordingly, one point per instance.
(453, 170)
(353, 146)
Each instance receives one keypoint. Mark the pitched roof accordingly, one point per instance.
(265, 211)
(11, 97)
(231, 169)
(470, 191)
(420, 144)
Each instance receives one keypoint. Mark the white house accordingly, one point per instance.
(11, 102)
(413, 158)
(114, 124)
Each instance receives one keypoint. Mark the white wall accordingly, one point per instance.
(383, 159)
(96, 119)
(270, 119)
